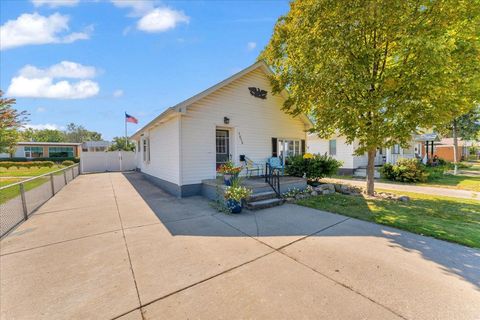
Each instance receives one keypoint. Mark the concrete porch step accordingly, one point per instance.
(262, 196)
(263, 204)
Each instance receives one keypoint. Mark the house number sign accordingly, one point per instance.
(258, 93)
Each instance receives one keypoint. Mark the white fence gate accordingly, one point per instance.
(107, 161)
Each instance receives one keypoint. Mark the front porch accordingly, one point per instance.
(213, 189)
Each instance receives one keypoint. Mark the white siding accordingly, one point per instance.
(164, 151)
(344, 151)
(253, 123)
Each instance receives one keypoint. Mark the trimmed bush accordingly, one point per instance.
(68, 163)
(311, 166)
(55, 159)
(405, 170)
(28, 164)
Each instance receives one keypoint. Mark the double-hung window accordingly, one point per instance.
(332, 147)
(396, 149)
(146, 149)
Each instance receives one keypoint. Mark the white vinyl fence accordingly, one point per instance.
(107, 161)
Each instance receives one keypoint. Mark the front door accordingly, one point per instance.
(222, 147)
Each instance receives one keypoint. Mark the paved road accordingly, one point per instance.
(447, 192)
(112, 246)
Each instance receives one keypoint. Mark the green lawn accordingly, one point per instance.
(14, 191)
(462, 182)
(454, 182)
(7, 181)
(27, 172)
(451, 219)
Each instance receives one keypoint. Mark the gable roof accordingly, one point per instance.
(182, 106)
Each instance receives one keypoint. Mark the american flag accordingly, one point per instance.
(129, 118)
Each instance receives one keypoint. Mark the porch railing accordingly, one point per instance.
(19, 200)
(272, 177)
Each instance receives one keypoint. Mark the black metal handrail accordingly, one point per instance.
(272, 177)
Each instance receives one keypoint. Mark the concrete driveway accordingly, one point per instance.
(113, 246)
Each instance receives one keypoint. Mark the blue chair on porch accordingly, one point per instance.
(276, 163)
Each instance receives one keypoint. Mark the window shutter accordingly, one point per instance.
(303, 147)
(274, 147)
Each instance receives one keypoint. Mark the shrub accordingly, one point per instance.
(405, 170)
(312, 166)
(55, 160)
(27, 164)
(68, 163)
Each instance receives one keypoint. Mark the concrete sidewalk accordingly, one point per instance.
(446, 192)
(113, 246)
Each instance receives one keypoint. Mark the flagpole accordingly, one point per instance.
(126, 141)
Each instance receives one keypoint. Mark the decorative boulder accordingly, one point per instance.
(403, 198)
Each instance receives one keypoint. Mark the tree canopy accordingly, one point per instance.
(73, 133)
(122, 143)
(376, 71)
(10, 121)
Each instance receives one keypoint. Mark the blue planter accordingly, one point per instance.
(234, 206)
(227, 179)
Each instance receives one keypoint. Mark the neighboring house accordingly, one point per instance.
(238, 117)
(32, 150)
(444, 149)
(338, 148)
(95, 146)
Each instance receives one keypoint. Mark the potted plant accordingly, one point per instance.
(234, 196)
(229, 172)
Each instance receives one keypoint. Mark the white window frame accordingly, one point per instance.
(396, 149)
(146, 150)
(330, 147)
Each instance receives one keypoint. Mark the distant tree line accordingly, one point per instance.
(72, 133)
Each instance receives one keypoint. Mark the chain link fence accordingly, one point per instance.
(19, 200)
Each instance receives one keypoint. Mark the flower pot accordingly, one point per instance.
(234, 206)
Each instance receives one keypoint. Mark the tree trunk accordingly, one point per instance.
(371, 171)
(455, 146)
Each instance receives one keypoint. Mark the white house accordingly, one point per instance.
(338, 148)
(237, 117)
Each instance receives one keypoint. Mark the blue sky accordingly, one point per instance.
(89, 61)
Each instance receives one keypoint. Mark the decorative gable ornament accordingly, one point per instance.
(258, 93)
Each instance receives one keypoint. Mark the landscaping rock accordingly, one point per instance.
(403, 198)
(290, 200)
(314, 193)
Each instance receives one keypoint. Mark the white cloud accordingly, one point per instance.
(251, 46)
(49, 126)
(118, 93)
(138, 7)
(35, 29)
(152, 19)
(41, 109)
(161, 19)
(47, 88)
(33, 82)
(64, 69)
(55, 3)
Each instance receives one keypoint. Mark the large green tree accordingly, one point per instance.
(375, 71)
(78, 133)
(10, 121)
(43, 135)
(122, 143)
